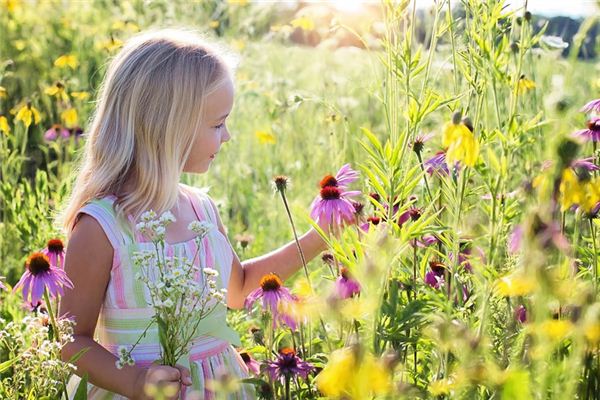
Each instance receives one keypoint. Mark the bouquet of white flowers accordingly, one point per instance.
(179, 299)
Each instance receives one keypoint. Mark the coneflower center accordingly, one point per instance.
(55, 246)
(38, 263)
(344, 273)
(245, 356)
(594, 125)
(330, 193)
(437, 267)
(328, 180)
(270, 282)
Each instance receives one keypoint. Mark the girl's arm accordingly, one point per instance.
(88, 263)
(284, 261)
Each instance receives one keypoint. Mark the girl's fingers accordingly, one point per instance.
(186, 377)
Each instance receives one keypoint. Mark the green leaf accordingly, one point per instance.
(7, 364)
(81, 393)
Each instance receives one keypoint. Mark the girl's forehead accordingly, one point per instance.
(220, 102)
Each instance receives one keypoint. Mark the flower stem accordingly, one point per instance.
(289, 214)
(594, 253)
(56, 334)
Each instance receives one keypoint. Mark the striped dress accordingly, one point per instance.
(126, 310)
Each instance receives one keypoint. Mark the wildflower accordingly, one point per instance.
(55, 250)
(515, 285)
(4, 127)
(345, 176)
(2, 287)
(58, 90)
(515, 239)
(40, 275)
(437, 164)
(435, 277)
(265, 137)
(592, 133)
(28, 114)
(69, 116)
(461, 143)
(521, 314)
(524, 84)
(250, 362)
(80, 95)
(281, 182)
(425, 241)
(288, 365)
(303, 23)
(333, 206)
(586, 164)
(413, 214)
(345, 285)
(66, 60)
(353, 376)
(592, 106)
(3, 92)
(244, 239)
(419, 142)
(55, 131)
(274, 295)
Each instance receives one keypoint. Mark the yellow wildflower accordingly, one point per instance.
(515, 285)
(3, 92)
(28, 114)
(570, 190)
(110, 45)
(591, 195)
(58, 90)
(303, 23)
(556, 329)
(11, 5)
(441, 387)
(265, 137)
(349, 377)
(214, 24)
(69, 116)
(20, 44)
(461, 143)
(4, 127)
(80, 95)
(66, 60)
(592, 333)
(524, 84)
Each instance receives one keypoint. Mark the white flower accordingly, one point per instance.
(122, 350)
(200, 227)
(210, 272)
(148, 216)
(119, 364)
(141, 226)
(167, 217)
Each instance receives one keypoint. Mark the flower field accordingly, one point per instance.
(457, 147)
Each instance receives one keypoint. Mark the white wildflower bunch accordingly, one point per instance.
(181, 293)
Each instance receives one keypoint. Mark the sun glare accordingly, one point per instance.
(352, 6)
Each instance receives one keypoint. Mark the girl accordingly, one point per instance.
(162, 111)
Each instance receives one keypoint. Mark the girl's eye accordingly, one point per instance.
(220, 125)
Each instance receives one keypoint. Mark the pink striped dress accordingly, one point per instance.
(126, 310)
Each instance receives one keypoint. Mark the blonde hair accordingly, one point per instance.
(150, 106)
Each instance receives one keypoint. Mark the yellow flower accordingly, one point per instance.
(4, 127)
(265, 137)
(441, 387)
(58, 90)
(66, 60)
(515, 285)
(80, 95)
(570, 190)
(556, 329)
(238, 44)
(111, 44)
(3, 92)
(69, 116)
(592, 333)
(303, 23)
(591, 195)
(348, 377)
(28, 114)
(524, 84)
(20, 44)
(213, 24)
(462, 144)
(11, 5)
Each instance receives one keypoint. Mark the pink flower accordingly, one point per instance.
(592, 133)
(425, 241)
(345, 286)
(593, 105)
(586, 163)
(251, 363)
(288, 365)
(435, 277)
(515, 239)
(55, 251)
(56, 130)
(332, 206)
(521, 314)
(345, 176)
(371, 221)
(274, 297)
(41, 275)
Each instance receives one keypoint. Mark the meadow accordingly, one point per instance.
(475, 252)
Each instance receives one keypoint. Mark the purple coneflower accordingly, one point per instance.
(437, 164)
(593, 105)
(413, 213)
(435, 277)
(288, 365)
(251, 363)
(333, 206)
(425, 241)
(274, 296)
(419, 142)
(55, 250)
(345, 285)
(586, 164)
(521, 314)
(40, 275)
(55, 131)
(371, 221)
(345, 176)
(592, 133)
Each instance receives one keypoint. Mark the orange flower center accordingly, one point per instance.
(38, 263)
(55, 246)
(270, 282)
(328, 180)
(330, 193)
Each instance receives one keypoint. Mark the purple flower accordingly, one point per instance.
(55, 131)
(371, 221)
(515, 239)
(586, 163)
(413, 214)
(40, 275)
(274, 297)
(250, 362)
(437, 164)
(55, 250)
(592, 133)
(333, 206)
(345, 176)
(435, 277)
(521, 314)
(425, 241)
(345, 286)
(593, 105)
(288, 365)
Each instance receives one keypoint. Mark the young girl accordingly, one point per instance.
(162, 111)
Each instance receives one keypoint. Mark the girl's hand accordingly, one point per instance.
(167, 380)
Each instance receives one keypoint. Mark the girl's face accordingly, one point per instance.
(213, 131)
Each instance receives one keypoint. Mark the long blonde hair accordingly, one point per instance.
(149, 108)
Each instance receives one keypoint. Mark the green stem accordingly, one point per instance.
(56, 333)
(289, 214)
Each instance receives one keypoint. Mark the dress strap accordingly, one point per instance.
(102, 211)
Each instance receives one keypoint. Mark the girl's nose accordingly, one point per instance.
(226, 136)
